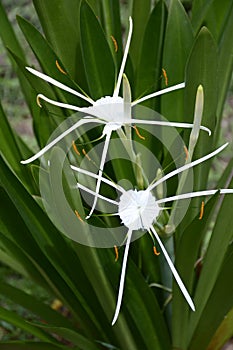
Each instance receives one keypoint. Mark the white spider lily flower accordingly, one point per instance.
(139, 210)
(110, 111)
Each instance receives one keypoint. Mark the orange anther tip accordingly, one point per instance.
(78, 215)
(75, 148)
(60, 68)
(155, 251)
(202, 210)
(116, 252)
(165, 76)
(115, 43)
(138, 133)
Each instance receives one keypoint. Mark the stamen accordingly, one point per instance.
(115, 43)
(202, 210)
(138, 133)
(187, 166)
(38, 101)
(186, 152)
(75, 148)
(155, 251)
(116, 253)
(78, 215)
(60, 68)
(85, 154)
(165, 76)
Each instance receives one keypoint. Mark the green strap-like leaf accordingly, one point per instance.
(177, 46)
(214, 258)
(21, 345)
(218, 305)
(46, 313)
(97, 57)
(18, 321)
(149, 69)
(60, 22)
(140, 14)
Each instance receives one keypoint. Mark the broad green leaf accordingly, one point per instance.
(11, 152)
(97, 57)
(223, 333)
(17, 345)
(190, 242)
(150, 66)
(177, 46)
(7, 34)
(112, 25)
(49, 61)
(45, 312)
(212, 14)
(217, 306)
(69, 334)
(43, 120)
(140, 13)
(201, 69)
(221, 236)
(43, 235)
(134, 310)
(61, 27)
(225, 64)
(13, 318)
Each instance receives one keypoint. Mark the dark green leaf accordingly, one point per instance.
(97, 57)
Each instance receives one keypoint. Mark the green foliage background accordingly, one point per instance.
(194, 45)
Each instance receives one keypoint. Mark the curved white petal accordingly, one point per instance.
(59, 138)
(173, 270)
(187, 166)
(103, 179)
(122, 278)
(60, 104)
(163, 123)
(157, 93)
(86, 189)
(194, 194)
(119, 78)
(58, 84)
(102, 162)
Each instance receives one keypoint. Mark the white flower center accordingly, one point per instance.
(138, 209)
(109, 109)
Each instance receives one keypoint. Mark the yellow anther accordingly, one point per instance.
(38, 101)
(85, 154)
(165, 76)
(60, 68)
(138, 133)
(116, 252)
(202, 210)
(78, 215)
(115, 43)
(155, 251)
(75, 148)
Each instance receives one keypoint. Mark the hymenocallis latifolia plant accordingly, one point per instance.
(114, 214)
